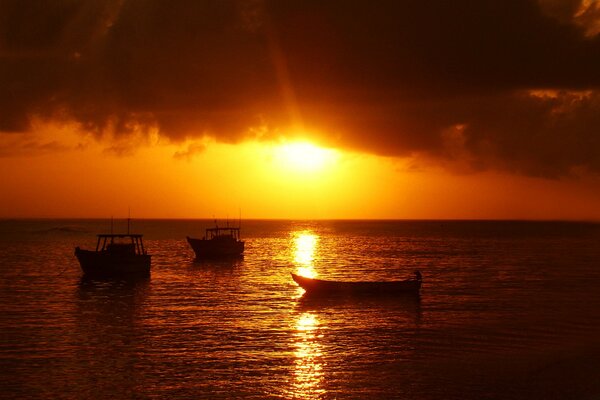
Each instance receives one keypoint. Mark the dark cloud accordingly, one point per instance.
(450, 80)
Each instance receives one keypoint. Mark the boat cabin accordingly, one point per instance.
(121, 244)
(222, 233)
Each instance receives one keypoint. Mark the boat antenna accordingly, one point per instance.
(128, 218)
(228, 220)
(111, 224)
(240, 218)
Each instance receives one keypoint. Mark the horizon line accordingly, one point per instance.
(582, 220)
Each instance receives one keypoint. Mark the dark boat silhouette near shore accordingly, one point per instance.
(218, 243)
(116, 255)
(327, 287)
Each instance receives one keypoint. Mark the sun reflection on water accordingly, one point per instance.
(305, 245)
(308, 371)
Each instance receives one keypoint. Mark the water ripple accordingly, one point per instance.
(494, 307)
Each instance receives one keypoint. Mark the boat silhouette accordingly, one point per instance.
(218, 243)
(116, 255)
(315, 286)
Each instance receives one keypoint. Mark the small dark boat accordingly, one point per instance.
(325, 287)
(218, 243)
(116, 255)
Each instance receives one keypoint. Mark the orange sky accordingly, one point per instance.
(269, 180)
(300, 109)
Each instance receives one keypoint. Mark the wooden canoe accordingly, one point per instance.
(328, 287)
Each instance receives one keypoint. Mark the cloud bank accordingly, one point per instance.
(494, 84)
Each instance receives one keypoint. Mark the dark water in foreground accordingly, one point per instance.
(508, 310)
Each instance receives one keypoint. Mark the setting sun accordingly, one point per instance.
(304, 156)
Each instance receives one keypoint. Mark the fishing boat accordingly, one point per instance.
(328, 287)
(116, 255)
(218, 243)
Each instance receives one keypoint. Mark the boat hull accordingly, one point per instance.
(105, 264)
(204, 248)
(324, 287)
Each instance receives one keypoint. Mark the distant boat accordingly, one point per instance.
(218, 243)
(116, 255)
(327, 287)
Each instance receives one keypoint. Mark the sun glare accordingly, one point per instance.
(304, 156)
(305, 244)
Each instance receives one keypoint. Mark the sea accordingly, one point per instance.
(507, 310)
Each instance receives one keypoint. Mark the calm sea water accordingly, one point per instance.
(508, 310)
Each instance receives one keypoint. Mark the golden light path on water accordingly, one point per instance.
(305, 245)
(308, 371)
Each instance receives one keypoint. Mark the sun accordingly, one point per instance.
(304, 156)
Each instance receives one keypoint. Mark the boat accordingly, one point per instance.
(116, 255)
(218, 243)
(328, 287)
